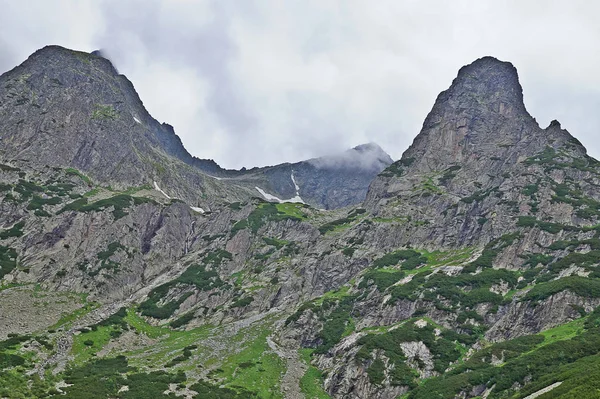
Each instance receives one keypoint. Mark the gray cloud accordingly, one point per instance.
(262, 82)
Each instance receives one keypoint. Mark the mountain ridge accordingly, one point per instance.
(471, 269)
(99, 126)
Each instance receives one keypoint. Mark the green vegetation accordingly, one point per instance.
(490, 251)
(254, 370)
(8, 168)
(479, 196)
(531, 221)
(394, 169)
(449, 174)
(429, 186)
(311, 383)
(335, 315)
(75, 172)
(411, 259)
(27, 189)
(582, 286)
(104, 258)
(8, 260)
(119, 203)
(535, 259)
(109, 375)
(348, 251)
(182, 321)
(15, 231)
(236, 206)
(443, 349)
(215, 258)
(541, 359)
(275, 242)
(339, 223)
(551, 159)
(545, 157)
(104, 112)
(269, 212)
(207, 390)
(195, 276)
(381, 278)
(530, 189)
(92, 339)
(242, 302)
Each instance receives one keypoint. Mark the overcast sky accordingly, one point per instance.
(253, 83)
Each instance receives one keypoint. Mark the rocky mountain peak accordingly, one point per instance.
(487, 82)
(479, 129)
(482, 109)
(53, 55)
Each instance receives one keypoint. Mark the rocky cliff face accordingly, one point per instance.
(470, 270)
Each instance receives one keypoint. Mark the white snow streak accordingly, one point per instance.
(161, 191)
(137, 120)
(295, 185)
(194, 208)
(270, 197)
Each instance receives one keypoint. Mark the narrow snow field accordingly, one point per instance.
(137, 120)
(195, 208)
(543, 391)
(270, 197)
(295, 184)
(161, 191)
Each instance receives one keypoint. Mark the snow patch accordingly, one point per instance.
(267, 196)
(137, 120)
(215, 177)
(161, 191)
(295, 184)
(194, 208)
(270, 197)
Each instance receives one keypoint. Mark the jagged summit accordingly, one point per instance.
(490, 81)
(481, 115)
(479, 128)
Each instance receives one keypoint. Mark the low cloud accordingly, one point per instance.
(364, 157)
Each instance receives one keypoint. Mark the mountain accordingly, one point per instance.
(470, 270)
(329, 182)
(63, 108)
